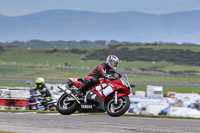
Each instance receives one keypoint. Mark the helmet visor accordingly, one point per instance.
(39, 84)
(114, 63)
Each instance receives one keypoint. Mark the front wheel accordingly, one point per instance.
(65, 106)
(120, 108)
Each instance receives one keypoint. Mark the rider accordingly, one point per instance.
(41, 87)
(102, 69)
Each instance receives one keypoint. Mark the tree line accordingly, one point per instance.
(177, 56)
(83, 43)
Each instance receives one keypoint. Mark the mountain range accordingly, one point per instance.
(55, 24)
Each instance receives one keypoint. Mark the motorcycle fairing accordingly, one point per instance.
(106, 87)
(93, 98)
(103, 92)
(120, 94)
(119, 86)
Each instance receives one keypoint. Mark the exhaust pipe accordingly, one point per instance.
(68, 92)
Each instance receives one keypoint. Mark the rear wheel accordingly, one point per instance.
(120, 108)
(65, 106)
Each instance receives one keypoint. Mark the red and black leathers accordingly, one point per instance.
(91, 79)
(100, 70)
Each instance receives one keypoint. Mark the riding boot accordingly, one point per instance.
(83, 88)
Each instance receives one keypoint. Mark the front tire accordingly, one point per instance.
(123, 104)
(66, 107)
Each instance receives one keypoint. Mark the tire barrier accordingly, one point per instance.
(14, 99)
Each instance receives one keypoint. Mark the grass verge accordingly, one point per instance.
(7, 132)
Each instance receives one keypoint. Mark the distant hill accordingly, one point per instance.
(122, 26)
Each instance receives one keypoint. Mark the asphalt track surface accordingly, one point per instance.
(56, 123)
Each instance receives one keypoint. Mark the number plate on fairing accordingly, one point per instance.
(86, 106)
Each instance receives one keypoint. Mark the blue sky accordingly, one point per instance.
(22, 7)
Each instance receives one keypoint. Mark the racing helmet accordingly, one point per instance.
(40, 82)
(112, 61)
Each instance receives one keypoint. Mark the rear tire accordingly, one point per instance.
(65, 107)
(123, 104)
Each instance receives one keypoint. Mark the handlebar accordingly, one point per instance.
(109, 73)
(109, 78)
(103, 76)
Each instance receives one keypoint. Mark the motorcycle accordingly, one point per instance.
(109, 95)
(36, 102)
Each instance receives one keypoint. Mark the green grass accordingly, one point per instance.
(89, 48)
(87, 64)
(192, 48)
(38, 59)
(13, 70)
(59, 74)
(7, 132)
(180, 68)
(142, 78)
(140, 64)
(16, 84)
(122, 65)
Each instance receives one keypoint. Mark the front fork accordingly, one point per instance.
(115, 97)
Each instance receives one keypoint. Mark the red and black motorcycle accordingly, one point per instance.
(110, 94)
